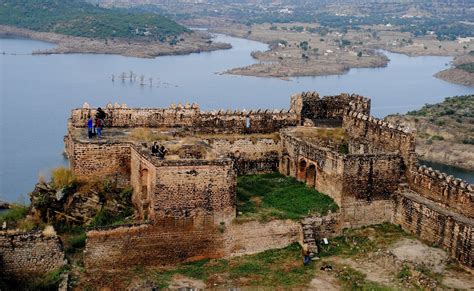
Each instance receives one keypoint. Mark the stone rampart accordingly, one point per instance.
(183, 188)
(381, 135)
(327, 110)
(24, 255)
(443, 189)
(93, 159)
(436, 225)
(166, 242)
(190, 118)
(254, 237)
(251, 155)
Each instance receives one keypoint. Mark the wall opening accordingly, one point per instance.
(311, 175)
(144, 185)
(301, 171)
(247, 122)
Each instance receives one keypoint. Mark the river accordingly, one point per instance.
(37, 93)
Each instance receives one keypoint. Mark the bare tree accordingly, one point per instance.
(123, 77)
(113, 78)
(131, 76)
(151, 82)
(141, 80)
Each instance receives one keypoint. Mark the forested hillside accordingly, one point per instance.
(78, 18)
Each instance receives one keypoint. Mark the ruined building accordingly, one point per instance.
(187, 201)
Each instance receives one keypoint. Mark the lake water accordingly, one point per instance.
(37, 93)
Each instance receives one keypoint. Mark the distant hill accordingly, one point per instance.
(78, 18)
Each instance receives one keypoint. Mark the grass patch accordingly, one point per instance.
(106, 217)
(362, 240)
(272, 268)
(61, 177)
(352, 279)
(15, 215)
(147, 135)
(274, 196)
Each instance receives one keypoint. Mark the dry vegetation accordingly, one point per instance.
(445, 131)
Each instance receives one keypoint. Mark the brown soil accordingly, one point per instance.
(194, 42)
(457, 76)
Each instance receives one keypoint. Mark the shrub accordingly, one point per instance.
(61, 177)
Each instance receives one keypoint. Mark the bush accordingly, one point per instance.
(61, 177)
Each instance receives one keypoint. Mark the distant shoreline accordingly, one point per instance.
(195, 42)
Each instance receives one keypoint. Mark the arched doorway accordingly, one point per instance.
(301, 171)
(311, 175)
(285, 166)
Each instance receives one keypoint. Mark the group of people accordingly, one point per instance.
(159, 151)
(96, 123)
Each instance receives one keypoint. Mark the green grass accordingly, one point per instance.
(14, 214)
(273, 268)
(108, 218)
(274, 196)
(352, 279)
(362, 240)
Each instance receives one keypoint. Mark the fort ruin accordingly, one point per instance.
(332, 143)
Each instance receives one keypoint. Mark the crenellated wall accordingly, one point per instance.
(443, 189)
(327, 110)
(24, 255)
(383, 136)
(190, 118)
(436, 225)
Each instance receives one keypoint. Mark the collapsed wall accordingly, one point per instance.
(24, 255)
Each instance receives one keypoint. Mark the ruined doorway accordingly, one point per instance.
(301, 171)
(311, 175)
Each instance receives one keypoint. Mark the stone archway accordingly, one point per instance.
(301, 171)
(311, 175)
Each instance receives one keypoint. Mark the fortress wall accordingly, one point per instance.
(380, 134)
(24, 255)
(253, 237)
(165, 243)
(371, 177)
(251, 155)
(194, 187)
(445, 190)
(94, 159)
(436, 225)
(142, 180)
(327, 110)
(192, 119)
(368, 184)
(317, 167)
(242, 122)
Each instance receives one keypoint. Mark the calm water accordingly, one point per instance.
(38, 92)
(455, 171)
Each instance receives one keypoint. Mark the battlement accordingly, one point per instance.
(327, 110)
(381, 135)
(443, 189)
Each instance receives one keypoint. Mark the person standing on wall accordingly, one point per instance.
(155, 149)
(90, 124)
(98, 127)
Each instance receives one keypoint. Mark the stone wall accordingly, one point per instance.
(93, 159)
(254, 237)
(191, 119)
(184, 188)
(251, 155)
(327, 110)
(371, 177)
(443, 189)
(383, 136)
(436, 225)
(167, 242)
(317, 167)
(24, 255)
(358, 213)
